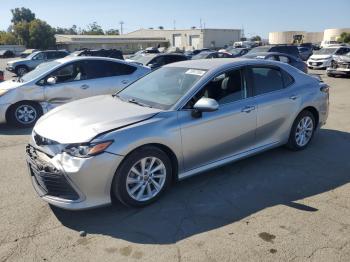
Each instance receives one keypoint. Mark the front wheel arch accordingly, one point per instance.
(13, 106)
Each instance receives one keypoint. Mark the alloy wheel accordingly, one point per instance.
(26, 114)
(304, 131)
(146, 179)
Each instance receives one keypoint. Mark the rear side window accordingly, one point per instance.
(99, 69)
(266, 80)
(173, 59)
(287, 79)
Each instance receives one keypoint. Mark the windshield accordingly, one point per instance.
(162, 88)
(32, 55)
(39, 70)
(260, 49)
(325, 51)
(348, 54)
(142, 59)
(201, 55)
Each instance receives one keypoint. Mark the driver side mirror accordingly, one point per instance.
(51, 81)
(204, 105)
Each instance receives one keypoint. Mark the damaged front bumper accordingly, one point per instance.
(69, 182)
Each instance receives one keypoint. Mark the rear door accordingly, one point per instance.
(276, 100)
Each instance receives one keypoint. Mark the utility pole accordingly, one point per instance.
(174, 24)
(121, 27)
(200, 23)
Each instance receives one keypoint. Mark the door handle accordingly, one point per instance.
(125, 82)
(84, 87)
(248, 109)
(293, 97)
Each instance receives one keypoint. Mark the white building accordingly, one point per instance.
(287, 37)
(186, 39)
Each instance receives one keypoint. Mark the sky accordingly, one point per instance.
(256, 17)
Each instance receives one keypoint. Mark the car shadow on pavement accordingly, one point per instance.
(226, 195)
(9, 130)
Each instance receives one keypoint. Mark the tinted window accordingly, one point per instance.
(342, 51)
(159, 61)
(287, 79)
(225, 88)
(284, 59)
(173, 59)
(61, 54)
(51, 55)
(39, 56)
(99, 69)
(266, 80)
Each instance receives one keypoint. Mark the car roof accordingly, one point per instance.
(207, 64)
(79, 58)
(268, 53)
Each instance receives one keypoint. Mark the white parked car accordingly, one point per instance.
(24, 99)
(322, 58)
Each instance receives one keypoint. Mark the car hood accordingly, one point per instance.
(321, 56)
(17, 61)
(9, 84)
(82, 120)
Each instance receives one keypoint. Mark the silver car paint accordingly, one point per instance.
(228, 134)
(50, 96)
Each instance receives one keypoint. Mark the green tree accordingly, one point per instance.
(255, 38)
(93, 29)
(112, 32)
(66, 31)
(41, 35)
(22, 15)
(7, 38)
(344, 37)
(21, 32)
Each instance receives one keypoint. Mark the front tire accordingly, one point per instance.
(21, 70)
(24, 114)
(142, 177)
(302, 131)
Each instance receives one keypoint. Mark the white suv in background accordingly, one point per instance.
(322, 58)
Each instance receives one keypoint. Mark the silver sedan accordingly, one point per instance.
(24, 99)
(177, 121)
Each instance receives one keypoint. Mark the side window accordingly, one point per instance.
(98, 69)
(69, 73)
(51, 55)
(271, 57)
(342, 51)
(160, 61)
(266, 80)
(40, 56)
(225, 88)
(287, 78)
(284, 59)
(60, 54)
(173, 59)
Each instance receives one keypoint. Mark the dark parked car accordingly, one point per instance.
(340, 65)
(305, 52)
(285, 49)
(192, 53)
(112, 53)
(155, 61)
(285, 58)
(213, 54)
(237, 52)
(6, 53)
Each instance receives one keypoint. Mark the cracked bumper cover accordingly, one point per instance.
(91, 179)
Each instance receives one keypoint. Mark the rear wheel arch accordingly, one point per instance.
(314, 112)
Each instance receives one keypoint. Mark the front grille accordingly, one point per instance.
(50, 180)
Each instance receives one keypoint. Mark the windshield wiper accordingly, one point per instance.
(132, 100)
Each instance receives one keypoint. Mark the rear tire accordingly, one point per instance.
(302, 131)
(24, 114)
(142, 177)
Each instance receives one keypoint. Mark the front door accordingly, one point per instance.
(228, 131)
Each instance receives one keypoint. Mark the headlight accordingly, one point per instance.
(3, 91)
(87, 150)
